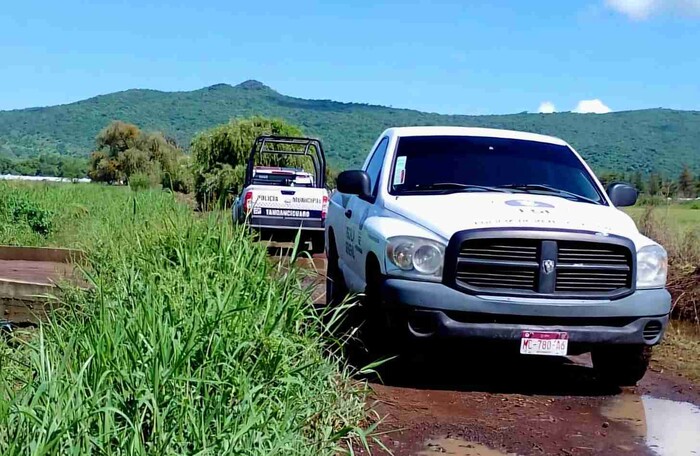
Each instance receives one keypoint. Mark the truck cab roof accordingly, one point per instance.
(471, 131)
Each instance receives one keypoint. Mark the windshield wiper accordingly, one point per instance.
(454, 187)
(551, 190)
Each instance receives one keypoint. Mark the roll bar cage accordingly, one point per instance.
(310, 147)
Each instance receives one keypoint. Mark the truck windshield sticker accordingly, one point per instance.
(400, 171)
(528, 203)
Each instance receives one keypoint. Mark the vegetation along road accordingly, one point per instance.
(192, 339)
(168, 353)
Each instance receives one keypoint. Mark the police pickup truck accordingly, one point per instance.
(481, 234)
(278, 201)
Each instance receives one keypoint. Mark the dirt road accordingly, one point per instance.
(463, 400)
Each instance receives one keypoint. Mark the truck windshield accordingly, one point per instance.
(441, 164)
(284, 180)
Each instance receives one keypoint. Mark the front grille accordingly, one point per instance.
(584, 253)
(497, 277)
(485, 263)
(558, 268)
(500, 250)
(586, 267)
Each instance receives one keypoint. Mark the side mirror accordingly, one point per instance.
(621, 194)
(354, 182)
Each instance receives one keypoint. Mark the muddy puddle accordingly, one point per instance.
(458, 447)
(668, 428)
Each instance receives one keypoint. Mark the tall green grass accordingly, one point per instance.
(188, 343)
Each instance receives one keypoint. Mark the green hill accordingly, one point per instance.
(645, 140)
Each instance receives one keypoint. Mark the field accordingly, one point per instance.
(192, 342)
(685, 216)
(168, 353)
(677, 227)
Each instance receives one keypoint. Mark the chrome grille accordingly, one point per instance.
(499, 264)
(488, 277)
(588, 267)
(548, 267)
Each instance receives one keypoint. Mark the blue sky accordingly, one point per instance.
(468, 57)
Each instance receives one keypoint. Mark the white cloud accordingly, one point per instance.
(635, 9)
(594, 106)
(547, 107)
(643, 9)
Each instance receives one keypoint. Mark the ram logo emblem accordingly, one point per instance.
(548, 266)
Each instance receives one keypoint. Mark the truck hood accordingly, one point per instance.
(446, 214)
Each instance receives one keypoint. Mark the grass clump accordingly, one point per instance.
(185, 345)
(142, 181)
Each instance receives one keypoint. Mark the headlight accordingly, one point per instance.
(414, 256)
(652, 267)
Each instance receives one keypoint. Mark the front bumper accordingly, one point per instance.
(434, 310)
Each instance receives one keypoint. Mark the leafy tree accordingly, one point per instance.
(654, 186)
(118, 137)
(123, 150)
(45, 165)
(637, 181)
(72, 168)
(686, 183)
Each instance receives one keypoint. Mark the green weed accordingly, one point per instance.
(187, 342)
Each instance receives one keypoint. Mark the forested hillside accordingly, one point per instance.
(654, 139)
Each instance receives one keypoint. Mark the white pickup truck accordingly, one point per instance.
(483, 234)
(279, 201)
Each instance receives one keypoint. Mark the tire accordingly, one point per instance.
(377, 334)
(621, 365)
(336, 290)
(318, 243)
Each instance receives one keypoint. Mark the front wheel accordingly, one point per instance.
(336, 291)
(621, 365)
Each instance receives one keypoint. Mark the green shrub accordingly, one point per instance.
(651, 200)
(38, 219)
(190, 342)
(142, 181)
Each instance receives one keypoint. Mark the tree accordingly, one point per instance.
(117, 137)
(72, 168)
(220, 156)
(654, 185)
(638, 182)
(686, 183)
(123, 150)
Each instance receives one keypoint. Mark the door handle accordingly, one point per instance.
(348, 213)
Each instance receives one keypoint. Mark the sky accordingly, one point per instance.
(457, 57)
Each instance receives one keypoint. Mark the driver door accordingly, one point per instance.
(357, 211)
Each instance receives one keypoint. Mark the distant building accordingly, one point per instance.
(43, 178)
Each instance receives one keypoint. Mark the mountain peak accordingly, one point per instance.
(252, 84)
(220, 86)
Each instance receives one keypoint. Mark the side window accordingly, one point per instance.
(374, 167)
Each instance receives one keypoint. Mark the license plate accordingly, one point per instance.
(548, 343)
